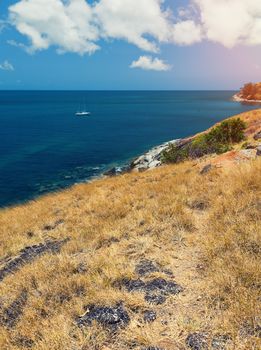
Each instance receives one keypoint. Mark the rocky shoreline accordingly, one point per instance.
(238, 98)
(148, 160)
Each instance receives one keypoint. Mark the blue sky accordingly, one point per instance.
(148, 44)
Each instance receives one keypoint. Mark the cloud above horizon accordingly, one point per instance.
(6, 65)
(149, 63)
(78, 26)
(231, 22)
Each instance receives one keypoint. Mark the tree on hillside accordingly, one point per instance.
(249, 91)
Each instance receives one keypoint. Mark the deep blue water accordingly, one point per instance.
(44, 146)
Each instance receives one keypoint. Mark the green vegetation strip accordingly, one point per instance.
(218, 140)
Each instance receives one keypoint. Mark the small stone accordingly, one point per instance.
(199, 205)
(258, 151)
(149, 316)
(81, 268)
(250, 146)
(48, 227)
(197, 341)
(107, 242)
(206, 169)
(257, 136)
(142, 222)
(30, 234)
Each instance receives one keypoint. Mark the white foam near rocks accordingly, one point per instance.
(238, 98)
(152, 158)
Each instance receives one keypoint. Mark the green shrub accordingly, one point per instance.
(218, 140)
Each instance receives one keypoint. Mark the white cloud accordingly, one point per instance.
(231, 22)
(6, 66)
(67, 26)
(186, 33)
(149, 63)
(132, 21)
(79, 25)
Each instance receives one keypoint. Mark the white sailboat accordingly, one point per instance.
(82, 112)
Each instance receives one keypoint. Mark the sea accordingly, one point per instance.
(45, 147)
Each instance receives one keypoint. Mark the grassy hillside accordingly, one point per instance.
(164, 259)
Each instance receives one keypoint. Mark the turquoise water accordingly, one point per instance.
(45, 147)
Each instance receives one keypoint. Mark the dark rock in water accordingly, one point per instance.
(149, 316)
(11, 315)
(156, 299)
(110, 317)
(111, 172)
(28, 254)
(146, 267)
(258, 151)
(206, 169)
(117, 170)
(197, 341)
(257, 136)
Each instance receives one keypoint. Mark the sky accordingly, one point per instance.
(129, 44)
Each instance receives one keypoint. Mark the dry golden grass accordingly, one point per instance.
(204, 228)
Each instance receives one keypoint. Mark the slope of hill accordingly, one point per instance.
(249, 93)
(163, 259)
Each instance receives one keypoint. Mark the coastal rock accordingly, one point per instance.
(246, 154)
(151, 159)
(118, 170)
